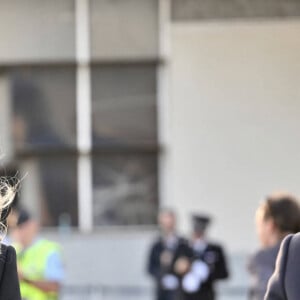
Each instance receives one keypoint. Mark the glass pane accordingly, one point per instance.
(44, 107)
(125, 189)
(49, 190)
(124, 104)
(33, 30)
(123, 29)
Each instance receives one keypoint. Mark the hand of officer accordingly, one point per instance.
(182, 265)
(198, 274)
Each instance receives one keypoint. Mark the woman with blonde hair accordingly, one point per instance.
(9, 283)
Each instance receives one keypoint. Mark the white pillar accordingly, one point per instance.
(84, 138)
(163, 104)
(6, 145)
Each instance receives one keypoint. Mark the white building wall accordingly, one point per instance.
(235, 100)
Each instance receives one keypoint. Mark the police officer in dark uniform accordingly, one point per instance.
(169, 258)
(207, 265)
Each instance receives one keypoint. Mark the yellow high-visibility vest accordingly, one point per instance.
(32, 263)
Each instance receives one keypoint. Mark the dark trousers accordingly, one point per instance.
(169, 295)
(203, 295)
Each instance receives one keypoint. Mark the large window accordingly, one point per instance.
(43, 106)
(125, 189)
(124, 29)
(43, 97)
(124, 105)
(50, 188)
(124, 120)
(39, 108)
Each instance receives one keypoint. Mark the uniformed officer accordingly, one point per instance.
(207, 265)
(169, 258)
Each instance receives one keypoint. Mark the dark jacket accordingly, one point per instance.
(285, 282)
(9, 283)
(261, 267)
(157, 270)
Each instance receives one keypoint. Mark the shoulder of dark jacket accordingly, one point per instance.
(276, 287)
(294, 239)
(7, 254)
(3, 253)
(214, 246)
(3, 257)
(156, 244)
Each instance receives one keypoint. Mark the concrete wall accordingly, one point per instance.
(111, 265)
(235, 121)
(106, 265)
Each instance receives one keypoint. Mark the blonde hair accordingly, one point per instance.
(8, 190)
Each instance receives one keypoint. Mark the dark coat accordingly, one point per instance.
(261, 267)
(285, 282)
(157, 270)
(9, 283)
(214, 257)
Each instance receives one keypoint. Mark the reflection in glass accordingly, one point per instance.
(43, 105)
(124, 29)
(124, 104)
(125, 189)
(50, 189)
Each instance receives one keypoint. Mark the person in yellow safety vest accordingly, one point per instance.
(39, 260)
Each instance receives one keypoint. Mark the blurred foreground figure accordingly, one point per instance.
(169, 258)
(208, 264)
(285, 282)
(40, 264)
(277, 217)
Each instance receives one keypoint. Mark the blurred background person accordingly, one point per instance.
(165, 253)
(277, 217)
(40, 265)
(208, 263)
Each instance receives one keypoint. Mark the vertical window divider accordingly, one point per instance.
(163, 105)
(84, 116)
